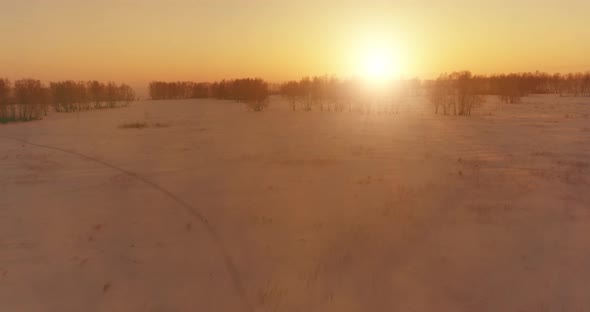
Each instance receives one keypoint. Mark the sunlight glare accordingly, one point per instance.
(378, 63)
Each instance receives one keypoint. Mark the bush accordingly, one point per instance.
(142, 125)
(134, 125)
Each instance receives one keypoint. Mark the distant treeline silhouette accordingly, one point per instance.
(459, 92)
(252, 91)
(511, 87)
(161, 90)
(70, 96)
(333, 94)
(455, 93)
(29, 99)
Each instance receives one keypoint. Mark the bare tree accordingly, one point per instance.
(290, 90)
(28, 96)
(96, 91)
(45, 99)
(457, 93)
(126, 94)
(4, 100)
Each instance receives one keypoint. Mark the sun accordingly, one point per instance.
(378, 66)
(378, 62)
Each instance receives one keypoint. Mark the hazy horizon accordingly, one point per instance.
(137, 42)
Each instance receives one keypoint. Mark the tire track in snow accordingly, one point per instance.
(229, 263)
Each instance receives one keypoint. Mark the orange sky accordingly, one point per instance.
(142, 40)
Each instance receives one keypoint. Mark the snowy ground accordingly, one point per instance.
(305, 211)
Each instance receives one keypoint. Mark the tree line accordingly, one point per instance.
(252, 91)
(323, 92)
(26, 99)
(161, 90)
(71, 96)
(570, 84)
(459, 92)
(30, 99)
(456, 93)
(328, 93)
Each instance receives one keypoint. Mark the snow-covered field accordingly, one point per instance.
(221, 209)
